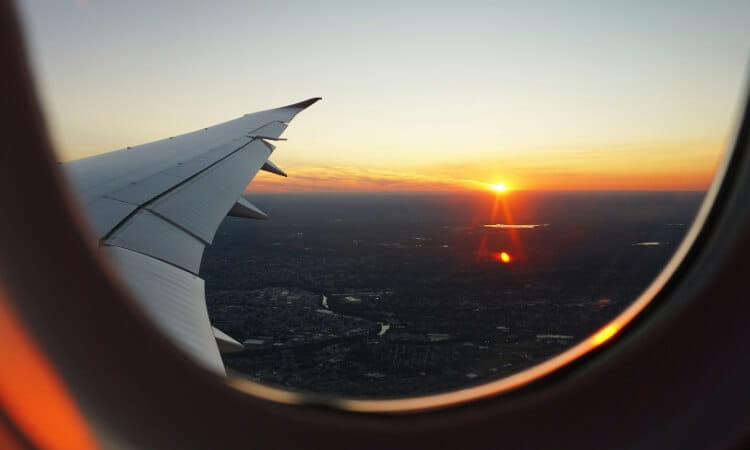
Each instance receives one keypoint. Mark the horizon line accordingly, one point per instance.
(474, 191)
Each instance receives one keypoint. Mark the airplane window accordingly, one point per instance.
(485, 188)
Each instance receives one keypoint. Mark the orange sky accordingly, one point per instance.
(689, 167)
(348, 179)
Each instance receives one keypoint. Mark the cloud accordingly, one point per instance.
(452, 178)
(349, 179)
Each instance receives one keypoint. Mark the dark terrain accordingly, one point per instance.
(374, 295)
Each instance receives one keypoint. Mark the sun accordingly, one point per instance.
(499, 187)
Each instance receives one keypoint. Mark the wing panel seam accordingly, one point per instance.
(151, 256)
(167, 191)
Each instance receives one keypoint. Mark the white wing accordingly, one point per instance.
(154, 207)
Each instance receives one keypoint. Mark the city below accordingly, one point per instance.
(392, 295)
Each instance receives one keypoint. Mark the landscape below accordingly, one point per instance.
(392, 295)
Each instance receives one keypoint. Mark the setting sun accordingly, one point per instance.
(499, 187)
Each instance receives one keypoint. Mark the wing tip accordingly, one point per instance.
(304, 103)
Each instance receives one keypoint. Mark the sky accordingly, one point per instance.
(419, 95)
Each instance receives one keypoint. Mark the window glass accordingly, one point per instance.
(483, 186)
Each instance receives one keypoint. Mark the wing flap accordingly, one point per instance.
(151, 235)
(174, 299)
(200, 204)
(106, 213)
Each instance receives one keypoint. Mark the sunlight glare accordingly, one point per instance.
(499, 187)
(503, 257)
(605, 334)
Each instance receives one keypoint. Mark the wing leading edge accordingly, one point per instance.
(154, 208)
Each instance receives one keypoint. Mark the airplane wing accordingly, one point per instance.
(154, 208)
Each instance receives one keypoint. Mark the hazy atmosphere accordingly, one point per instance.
(417, 95)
